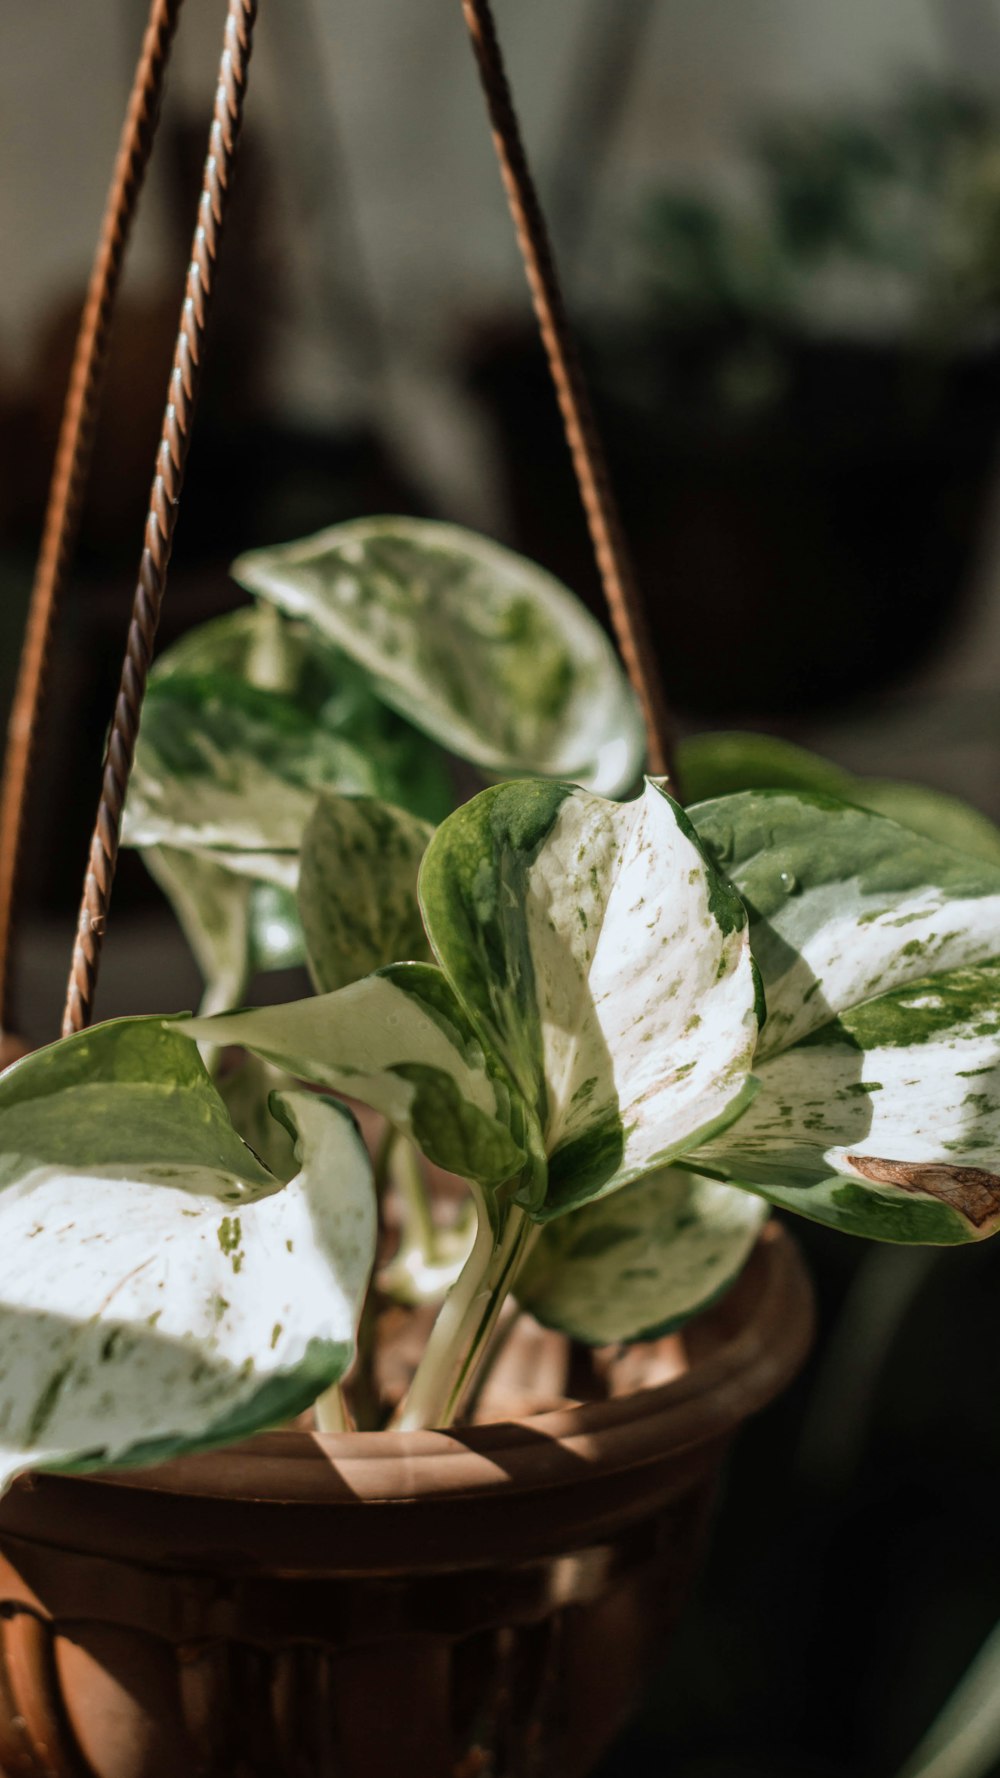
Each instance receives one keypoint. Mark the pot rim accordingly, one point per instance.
(741, 1353)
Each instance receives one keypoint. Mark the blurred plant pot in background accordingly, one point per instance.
(360, 1605)
(805, 514)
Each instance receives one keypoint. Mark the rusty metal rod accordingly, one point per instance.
(617, 577)
(171, 458)
(72, 460)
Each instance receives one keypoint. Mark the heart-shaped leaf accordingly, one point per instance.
(878, 1067)
(159, 1292)
(400, 1042)
(358, 889)
(638, 1264)
(606, 961)
(473, 644)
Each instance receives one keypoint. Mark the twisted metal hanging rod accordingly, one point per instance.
(617, 577)
(72, 461)
(165, 494)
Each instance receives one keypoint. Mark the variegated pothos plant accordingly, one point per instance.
(631, 1029)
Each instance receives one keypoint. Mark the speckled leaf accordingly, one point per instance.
(261, 647)
(258, 646)
(223, 763)
(358, 889)
(159, 1292)
(607, 963)
(843, 904)
(474, 645)
(885, 1121)
(400, 1042)
(636, 1265)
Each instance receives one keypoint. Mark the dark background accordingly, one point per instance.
(810, 493)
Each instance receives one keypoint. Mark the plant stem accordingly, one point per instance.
(466, 1320)
(331, 1411)
(409, 1182)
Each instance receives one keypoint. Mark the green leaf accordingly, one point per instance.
(264, 649)
(932, 813)
(221, 763)
(844, 904)
(715, 765)
(259, 647)
(400, 1042)
(358, 888)
(606, 962)
(474, 645)
(885, 1121)
(159, 1292)
(638, 1264)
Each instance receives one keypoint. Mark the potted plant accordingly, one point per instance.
(629, 1029)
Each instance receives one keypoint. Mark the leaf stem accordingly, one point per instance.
(331, 1411)
(466, 1320)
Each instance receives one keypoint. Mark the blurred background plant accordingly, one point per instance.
(885, 219)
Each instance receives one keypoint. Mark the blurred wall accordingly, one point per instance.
(414, 156)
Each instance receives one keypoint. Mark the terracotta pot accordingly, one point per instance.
(425, 1605)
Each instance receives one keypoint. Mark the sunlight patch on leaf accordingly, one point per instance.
(160, 1291)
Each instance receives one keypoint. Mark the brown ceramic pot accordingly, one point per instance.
(421, 1605)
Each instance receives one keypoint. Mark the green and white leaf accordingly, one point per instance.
(606, 961)
(843, 904)
(262, 648)
(259, 647)
(479, 648)
(358, 889)
(885, 1122)
(638, 1264)
(877, 1110)
(714, 765)
(400, 1042)
(158, 1291)
(221, 763)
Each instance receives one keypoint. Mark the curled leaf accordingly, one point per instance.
(471, 643)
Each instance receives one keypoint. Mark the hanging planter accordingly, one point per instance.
(363, 1603)
(619, 1029)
